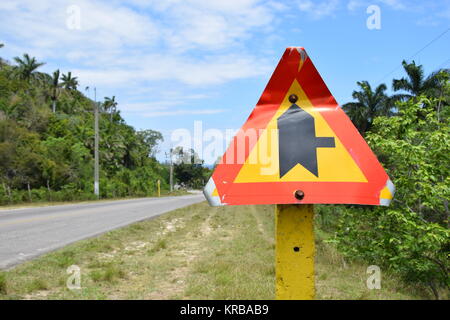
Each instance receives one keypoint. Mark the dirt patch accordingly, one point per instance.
(38, 295)
(136, 246)
(174, 284)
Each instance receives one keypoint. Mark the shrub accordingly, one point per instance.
(411, 236)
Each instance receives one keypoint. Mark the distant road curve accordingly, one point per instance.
(30, 232)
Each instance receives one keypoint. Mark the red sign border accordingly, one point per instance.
(286, 72)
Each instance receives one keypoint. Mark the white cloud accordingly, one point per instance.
(180, 112)
(208, 71)
(42, 24)
(431, 13)
(318, 10)
(140, 45)
(395, 4)
(278, 6)
(117, 44)
(353, 5)
(139, 107)
(169, 99)
(213, 24)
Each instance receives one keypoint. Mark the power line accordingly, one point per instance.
(429, 43)
(419, 51)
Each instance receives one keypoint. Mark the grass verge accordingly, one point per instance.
(24, 205)
(197, 252)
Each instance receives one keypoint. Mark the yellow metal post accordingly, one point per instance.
(159, 187)
(294, 252)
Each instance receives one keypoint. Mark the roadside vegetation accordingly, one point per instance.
(46, 155)
(410, 134)
(196, 252)
(47, 142)
(20, 205)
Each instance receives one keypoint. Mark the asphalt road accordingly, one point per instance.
(28, 233)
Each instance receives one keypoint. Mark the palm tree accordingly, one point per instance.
(416, 84)
(1, 60)
(369, 105)
(26, 68)
(69, 82)
(111, 105)
(55, 87)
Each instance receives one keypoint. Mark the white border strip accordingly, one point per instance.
(303, 54)
(391, 187)
(208, 190)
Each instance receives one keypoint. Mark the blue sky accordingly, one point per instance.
(170, 63)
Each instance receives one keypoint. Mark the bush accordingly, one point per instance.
(411, 236)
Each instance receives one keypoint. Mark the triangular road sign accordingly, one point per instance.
(298, 146)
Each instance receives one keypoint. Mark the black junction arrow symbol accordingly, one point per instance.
(297, 140)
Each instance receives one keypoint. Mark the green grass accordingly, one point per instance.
(197, 252)
(339, 278)
(108, 274)
(3, 287)
(160, 245)
(37, 284)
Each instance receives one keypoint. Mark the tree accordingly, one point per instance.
(1, 60)
(150, 138)
(26, 68)
(110, 104)
(45, 157)
(188, 168)
(412, 235)
(9, 134)
(369, 105)
(415, 83)
(55, 87)
(68, 82)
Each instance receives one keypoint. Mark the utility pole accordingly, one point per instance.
(96, 162)
(171, 171)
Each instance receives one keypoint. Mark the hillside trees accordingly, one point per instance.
(47, 141)
(369, 104)
(26, 68)
(188, 168)
(373, 103)
(68, 82)
(415, 83)
(54, 89)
